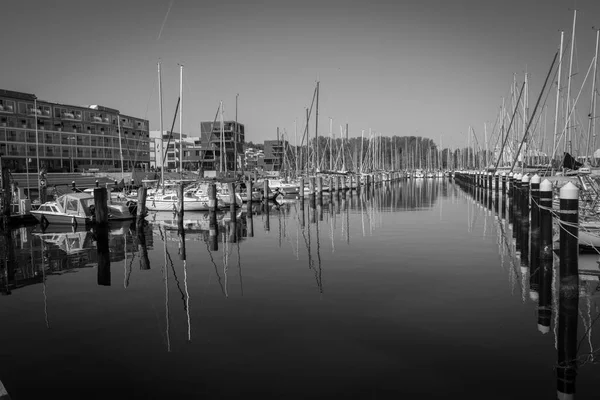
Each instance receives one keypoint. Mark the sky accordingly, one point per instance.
(423, 67)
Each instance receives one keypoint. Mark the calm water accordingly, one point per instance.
(413, 290)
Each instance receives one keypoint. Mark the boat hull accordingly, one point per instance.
(59, 219)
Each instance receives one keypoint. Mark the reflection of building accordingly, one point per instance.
(68, 137)
(159, 143)
(231, 140)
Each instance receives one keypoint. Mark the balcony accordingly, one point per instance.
(7, 108)
(70, 116)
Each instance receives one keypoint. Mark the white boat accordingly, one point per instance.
(170, 201)
(76, 209)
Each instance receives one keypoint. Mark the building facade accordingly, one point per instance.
(273, 160)
(170, 142)
(222, 146)
(66, 138)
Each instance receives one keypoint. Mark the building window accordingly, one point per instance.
(7, 106)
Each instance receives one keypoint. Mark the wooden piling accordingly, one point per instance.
(101, 206)
(141, 203)
(503, 185)
(232, 199)
(311, 186)
(249, 195)
(266, 190)
(497, 182)
(180, 202)
(320, 186)
(212, 197)
(490, 178)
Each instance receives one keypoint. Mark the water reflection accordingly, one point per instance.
(565, 302)
(350, 262)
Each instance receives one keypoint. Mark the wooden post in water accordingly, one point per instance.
(141, 203)
(490, 181)
(212, 197)
(546, 256)
(249, 196)
(503, 185)
(350, 184)
(232, 198)
(319, 186)
(101, 205)
(212, 217)
(266, 190)
(73, 188)
(497, 181)
(311, 186)
(510, 182)
(180, 203)
(267, 211)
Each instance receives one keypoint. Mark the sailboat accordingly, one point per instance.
(168, 201)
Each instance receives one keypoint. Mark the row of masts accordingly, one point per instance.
(519, 134)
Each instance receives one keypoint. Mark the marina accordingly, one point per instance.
(267, 297)
(315, 200)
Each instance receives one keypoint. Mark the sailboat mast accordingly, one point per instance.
(160, 116)
(181, 121)
(330, 144)
(568, 143)
(592, 120)
(317, 131)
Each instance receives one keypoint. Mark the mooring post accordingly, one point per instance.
(141, 203)
(267, 211)
(516, 204)
(266, 190)
(534, 261)
(569, 236)
(100, 206)
(212, 197)
(311, 186)
(320, 186)
(568, 291)
(497, 182)
(97, 183)
(249, 196)
(546, 257)
(73, 188)
(232, 199)
(524, 224)
(180, 203)
(212, 217)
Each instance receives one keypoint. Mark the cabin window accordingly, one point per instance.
(71, 205)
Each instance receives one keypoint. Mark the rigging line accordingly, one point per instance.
(216, 269)
(165, 20)
(171, 131)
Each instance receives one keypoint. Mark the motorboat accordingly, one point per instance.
(76, 209)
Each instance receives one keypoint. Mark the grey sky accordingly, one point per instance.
(399, 67)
